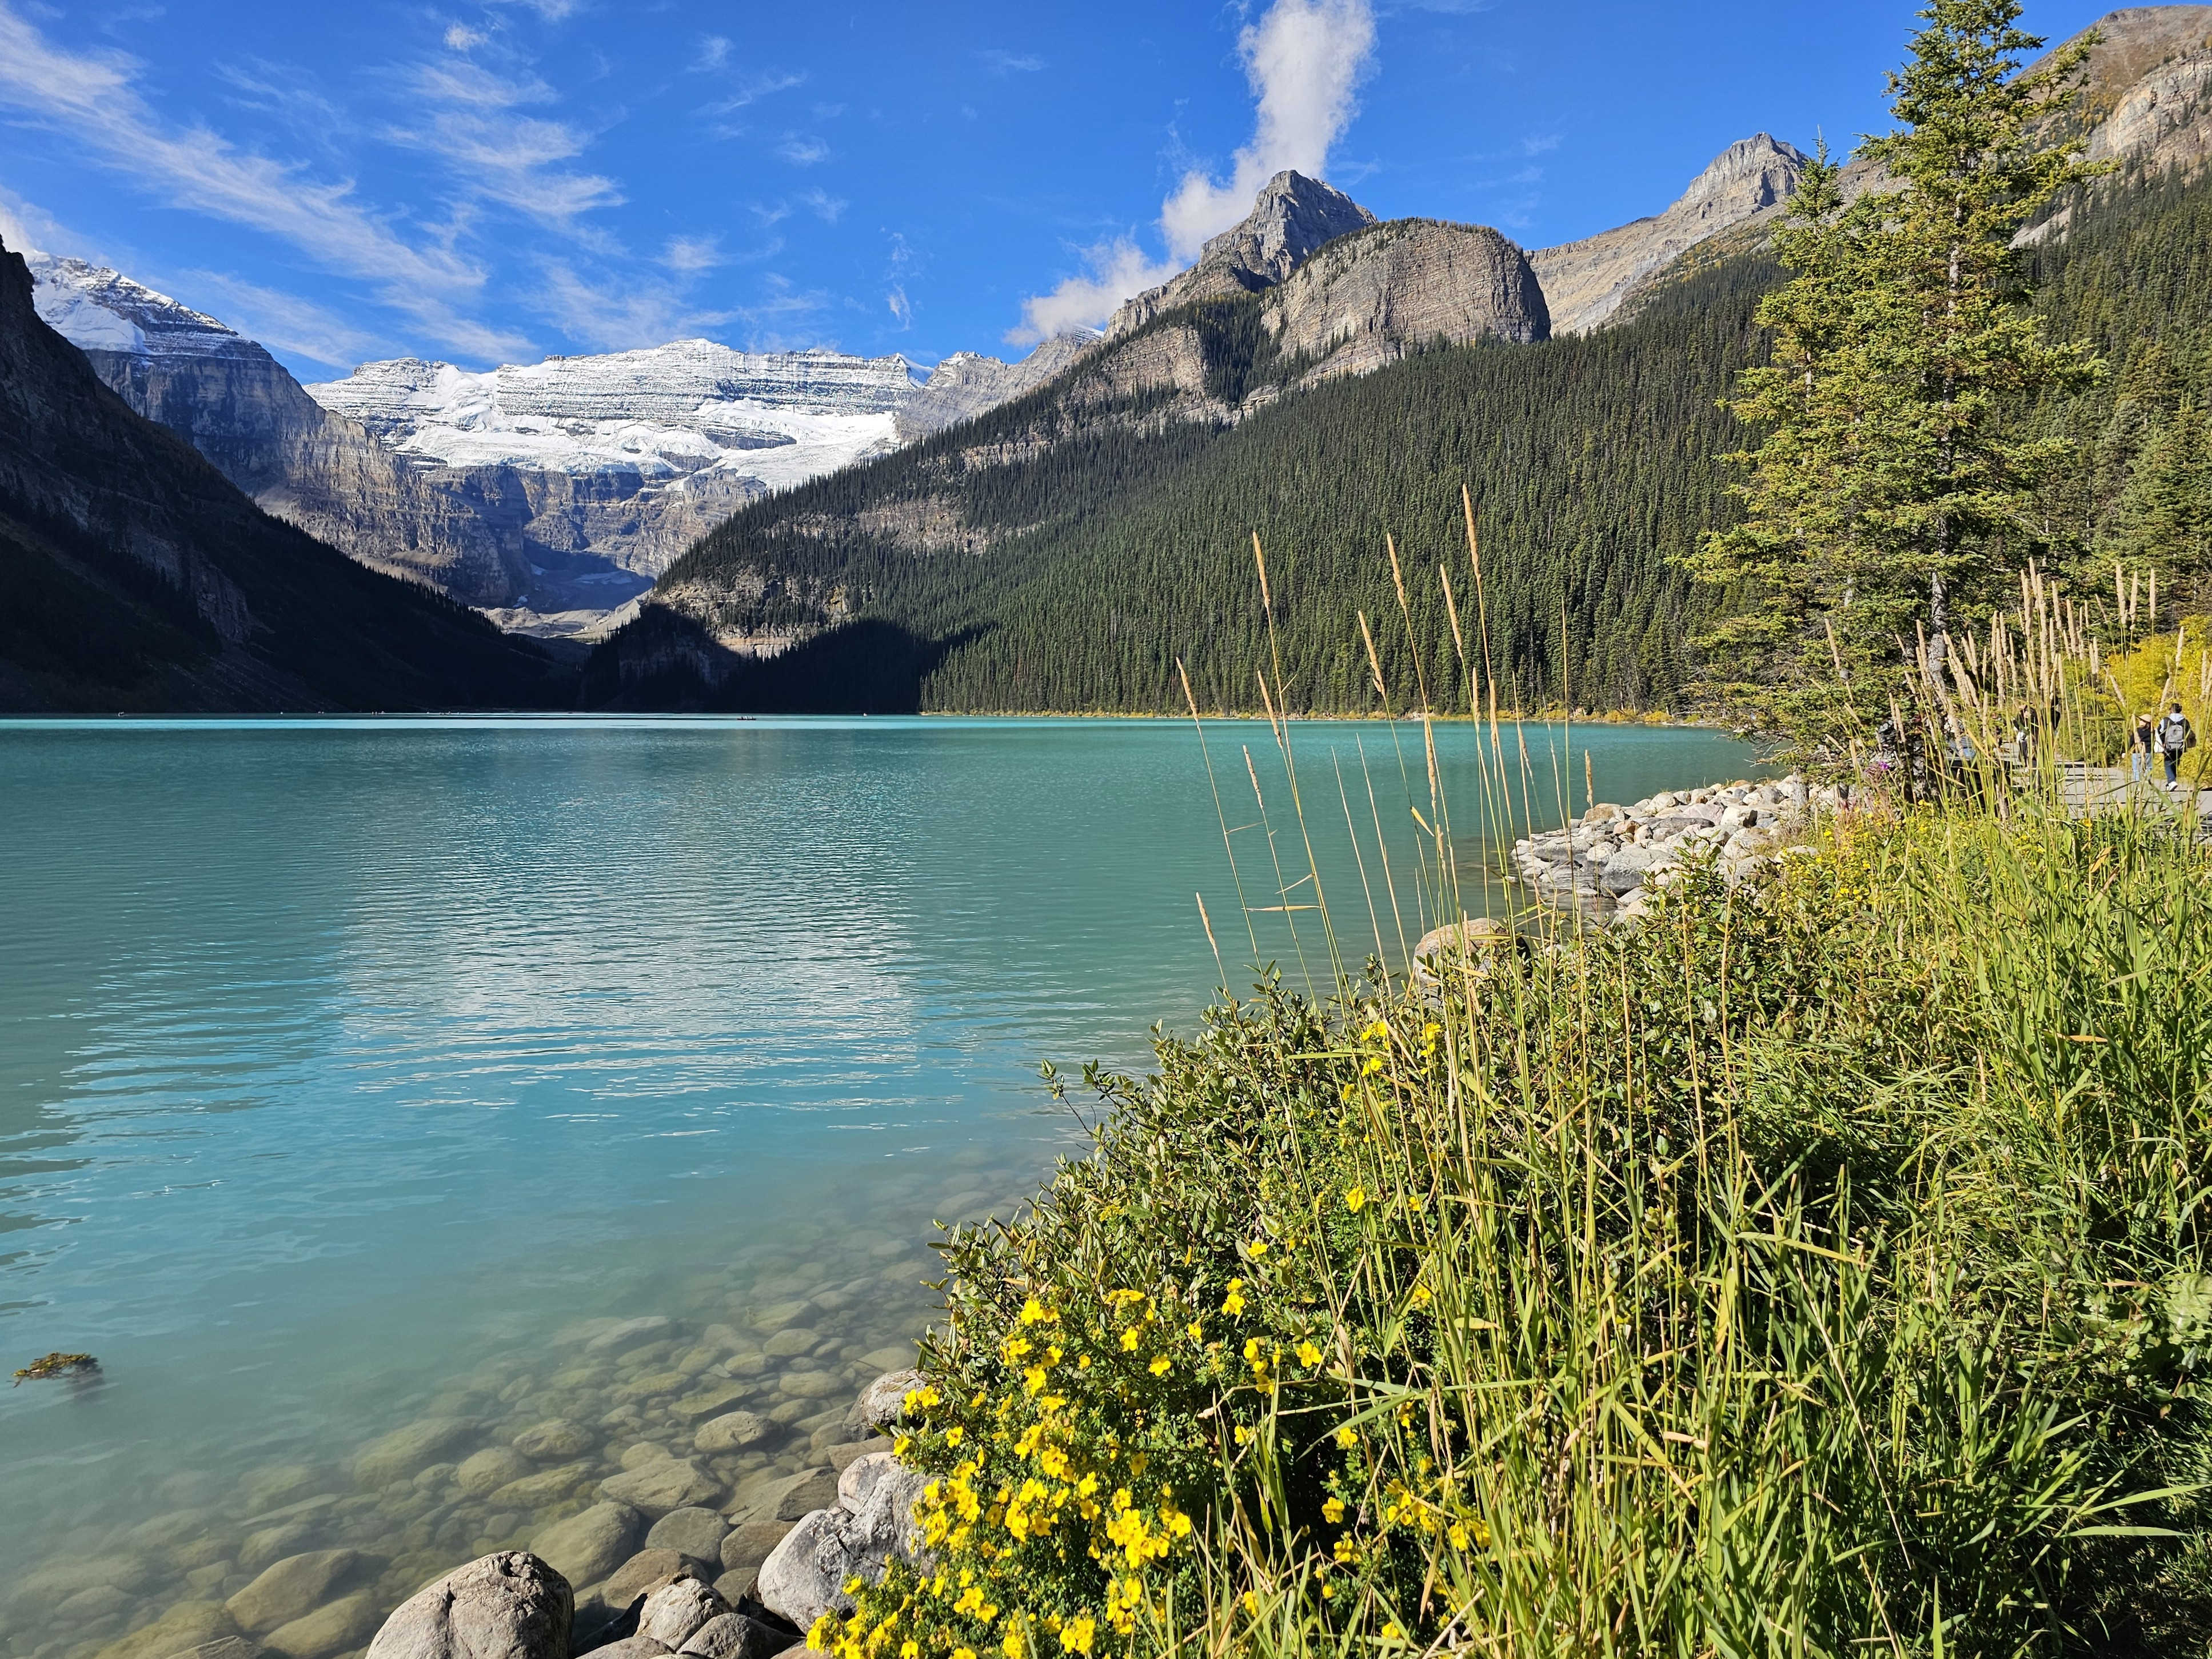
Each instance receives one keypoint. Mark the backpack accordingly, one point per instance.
(2175, 734)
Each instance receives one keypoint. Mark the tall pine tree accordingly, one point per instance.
(1890, 495)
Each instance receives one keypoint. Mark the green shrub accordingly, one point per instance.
(1820, 1267)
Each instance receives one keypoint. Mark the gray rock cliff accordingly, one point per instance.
(1293, 216)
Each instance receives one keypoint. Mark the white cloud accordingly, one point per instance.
(753, 89)
(824, 206)
(802, 152)
(460, 37)
(692, 253)
(1304, 60)
(282, 321)
(94, 99)
(714, 53)
(26, 227)
(623, 315)
(901, 307)
(1001, 62)
(1118, 269)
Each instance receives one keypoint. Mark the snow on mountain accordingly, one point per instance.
(664, 415)
(96, 309)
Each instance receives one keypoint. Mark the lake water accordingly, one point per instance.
(353, 1073)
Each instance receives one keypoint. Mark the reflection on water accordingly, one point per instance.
(348, 1070)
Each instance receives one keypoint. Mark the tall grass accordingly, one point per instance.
(1819, 1269)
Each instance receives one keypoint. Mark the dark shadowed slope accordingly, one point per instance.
(134, 576)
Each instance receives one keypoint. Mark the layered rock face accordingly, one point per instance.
(1366, 298)
(1293, 217)
(967, 384)
(602, 469)
(237, 405)
(1586, 282)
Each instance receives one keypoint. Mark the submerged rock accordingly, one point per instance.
(585, 1548)
(295, 1586)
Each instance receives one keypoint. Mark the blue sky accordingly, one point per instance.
(498, 181)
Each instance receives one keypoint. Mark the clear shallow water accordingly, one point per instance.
(346, 1065)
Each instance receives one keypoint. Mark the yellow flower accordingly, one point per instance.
(1129, 1340)
(1251, 1604)
(964, 1653)
(1033, 1379)
(1034, 1312)
(1233, 1303)
(1347, 1436)
(1392, 1633)
(1308, 1355)
(1258, 1248)
(955, 1434)
(1015, 1348)
(1422, 1296)
(1459, 1538)
(1252, 1349)
(1160, 1366)
(1197, 1332)
(1078, 1633)
(1244, 1435)
(1332, 1510)
(1354, 1198)
(1011, 1647)
(910, 1648)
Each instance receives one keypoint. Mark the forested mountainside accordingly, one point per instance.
(139, 578)
(1053, 555)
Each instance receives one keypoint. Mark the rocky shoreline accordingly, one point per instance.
(1607, 860)
(594, 1468)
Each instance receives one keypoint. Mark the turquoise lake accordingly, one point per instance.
(354, 1074)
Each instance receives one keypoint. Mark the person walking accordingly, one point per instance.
(2175, 738)
(2144, 742)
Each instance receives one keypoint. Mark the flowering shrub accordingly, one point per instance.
(1605, 1299)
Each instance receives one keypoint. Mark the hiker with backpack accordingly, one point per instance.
(2175, 738)
(2143, 745)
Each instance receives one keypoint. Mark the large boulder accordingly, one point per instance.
(554, 1441)
(732, 1431)
(294, 1587)
(676, 1609)
(805, 1576)
(698, 1533)
(508, 1605)
(734, 1636)
(884, 1401)
(189, 1625)
(585, 1548)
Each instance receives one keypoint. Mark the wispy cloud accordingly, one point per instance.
(713, 55)
(752, 89)
(283, 321)
(802, 152)
(94, 98)
(901, 309)
(553, 11)
(692, 253)
(621, 315)
(1304, 60)
(470, 117)
(998, 61)
(825, 207)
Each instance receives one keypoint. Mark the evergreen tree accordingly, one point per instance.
(1893, 489)
(2164, 515)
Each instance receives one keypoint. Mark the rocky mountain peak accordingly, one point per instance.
(1749, 175)
(98, 309)
(1292, 217)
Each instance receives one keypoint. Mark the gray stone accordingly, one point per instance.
(734, 1636)
(806, 1492)
(1625, 872)
(713, 1400)
(585, 1548)
(674, 1611)
(269, 1543)
(331, 1628)
(842, 1457)
(508, 1605)
(696, 1533)
(640, 1574)
(398, 1455)
(295, 1586)
(644, 1452)
(732, 1431)
(491, 1469)
(223, 1647)
(812, 1385)
(884, 1401)
(627, 1333)
(660, 1488)
(790, 1342)
(807, 1573)
(554, 1441)
(631, 1647)
(738, 1584)
(749, 1545)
